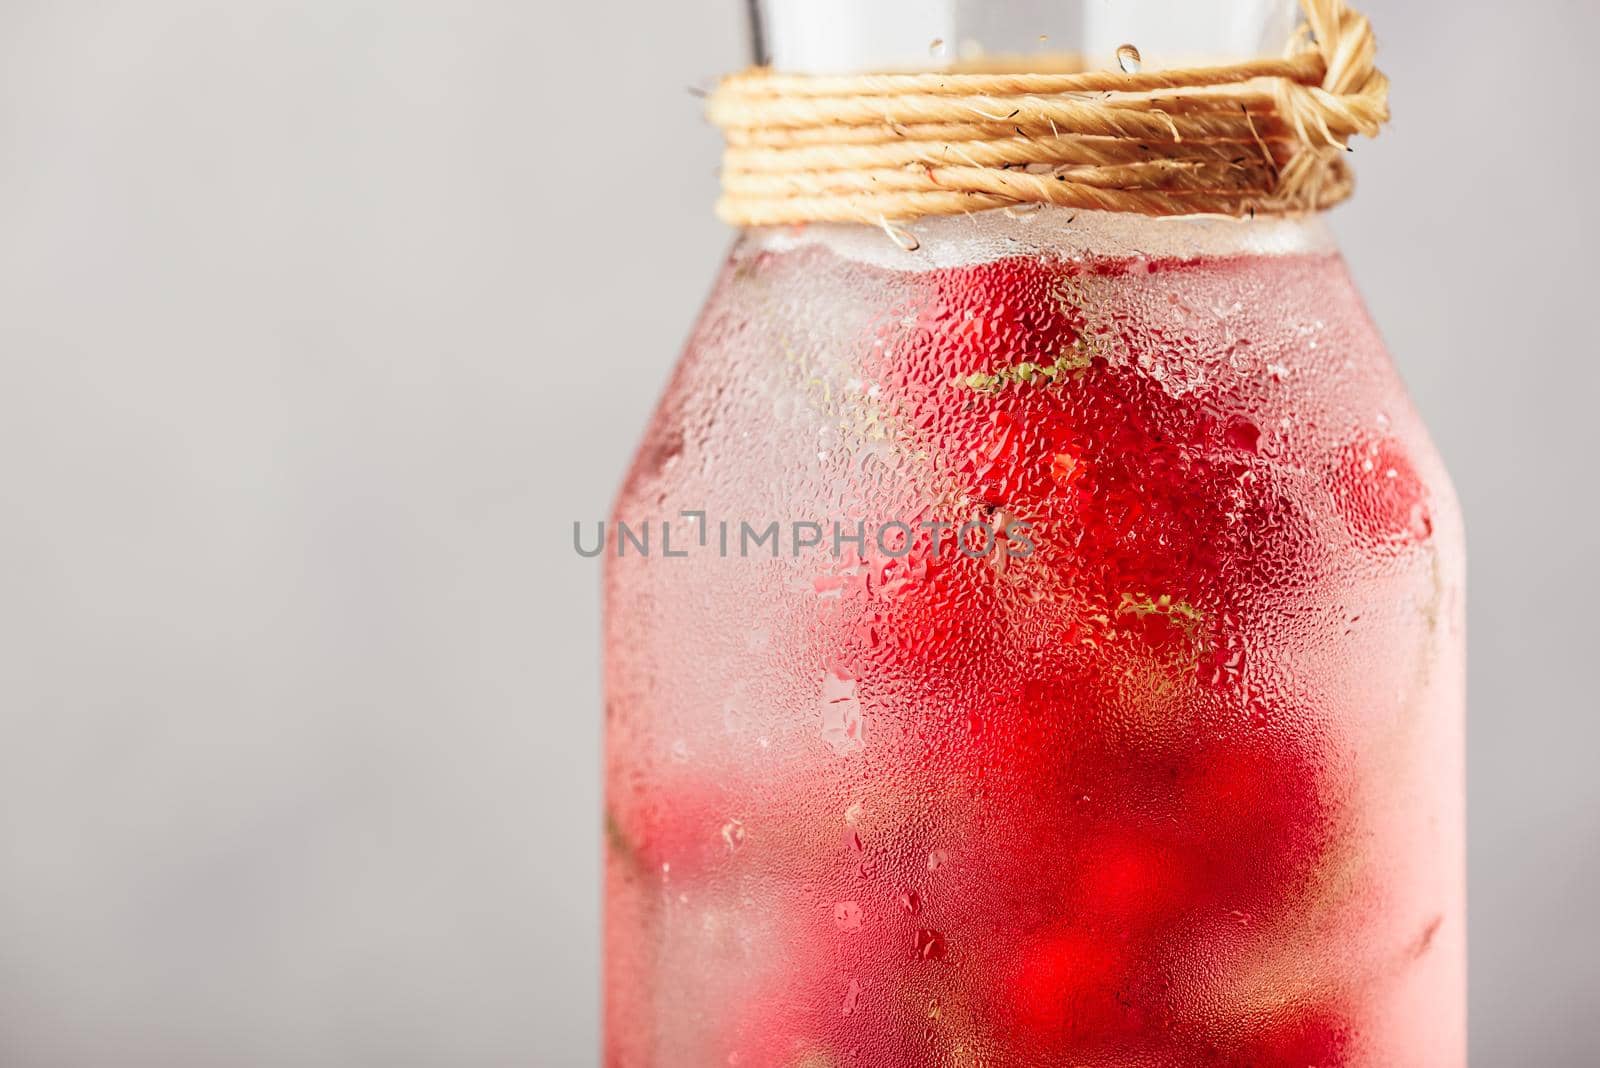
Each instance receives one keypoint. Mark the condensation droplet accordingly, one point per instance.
(1128, 59)
(911, 901)
(930, 945)
(852, 995)
(1242, 434)
(844, 725)
(1240, 357)
(937, 859)
(847, 916)
(733, 835)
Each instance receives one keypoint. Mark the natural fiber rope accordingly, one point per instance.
(1265, 136)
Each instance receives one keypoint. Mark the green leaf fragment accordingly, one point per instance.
(618, 840)
(1145, 605)
(1028, 373)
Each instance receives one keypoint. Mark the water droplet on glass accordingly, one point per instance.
(847, 916)
(852, 995)
(911, 901)
(1240, 356)
(1128, 59)
(930, 945)
(844, 725)
(1242, 434)
(1420, 523)
(937, 859)
(936, 47)
(733, 835)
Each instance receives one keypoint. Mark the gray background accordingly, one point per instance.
(320, 320)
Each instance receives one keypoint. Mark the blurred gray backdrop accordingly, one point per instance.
(321, 320)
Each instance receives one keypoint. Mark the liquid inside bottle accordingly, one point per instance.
(1058, 660)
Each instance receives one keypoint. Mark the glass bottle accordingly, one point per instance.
(1042, 647)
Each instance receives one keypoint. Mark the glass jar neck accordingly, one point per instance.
(844, 36)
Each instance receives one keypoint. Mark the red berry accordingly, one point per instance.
(1068, 984)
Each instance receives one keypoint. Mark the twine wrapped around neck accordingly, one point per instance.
(1266, 136)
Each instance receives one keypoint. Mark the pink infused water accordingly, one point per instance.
(1114, 716)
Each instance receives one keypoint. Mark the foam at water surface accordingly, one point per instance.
(961, 240)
